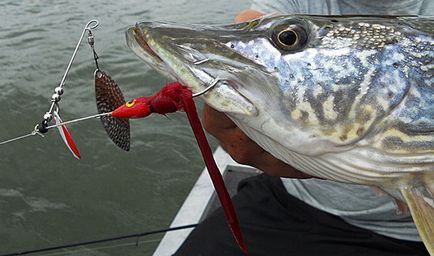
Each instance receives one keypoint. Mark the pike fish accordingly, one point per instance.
(345, 98)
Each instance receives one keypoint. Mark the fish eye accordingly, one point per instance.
(130, 103)
(289, 37)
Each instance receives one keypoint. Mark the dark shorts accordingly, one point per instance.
(275, 223)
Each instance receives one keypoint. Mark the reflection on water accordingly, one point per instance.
(47, 197)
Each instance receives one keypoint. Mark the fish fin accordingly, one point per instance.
(420, 200)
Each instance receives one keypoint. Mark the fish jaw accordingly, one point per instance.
(247, 91)
(382, 90)
(335, 93)
(152, 43)
(137, 43)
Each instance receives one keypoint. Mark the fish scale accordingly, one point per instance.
(349, 98)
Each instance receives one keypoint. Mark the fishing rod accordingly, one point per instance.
(104, 240)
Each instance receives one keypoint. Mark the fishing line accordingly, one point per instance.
(36, 130)
(111, 239)
(98, 248)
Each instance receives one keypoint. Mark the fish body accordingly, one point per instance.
(346, 98)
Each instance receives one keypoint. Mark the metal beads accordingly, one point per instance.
(58, 90)
(48, 116)
(55, 97)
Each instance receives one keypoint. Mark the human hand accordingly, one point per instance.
(247, 15)
(242, 149)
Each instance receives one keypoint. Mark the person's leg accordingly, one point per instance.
(275, 223)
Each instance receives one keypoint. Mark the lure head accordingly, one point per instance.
(136, 108)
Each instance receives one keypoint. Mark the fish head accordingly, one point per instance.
(199, 56)
(342, 98)
(314, 84)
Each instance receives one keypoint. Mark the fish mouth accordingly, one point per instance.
(136, 41)
(144, 45)
(171, 50)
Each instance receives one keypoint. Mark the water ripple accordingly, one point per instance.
(33, 204)
(46, 196)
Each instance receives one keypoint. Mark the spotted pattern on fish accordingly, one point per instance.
(108, 98)
(353, 76)
(346, 98)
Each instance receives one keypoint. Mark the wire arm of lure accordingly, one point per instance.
(89, 26)
(43, 127)
(79, 119)
(58, 91)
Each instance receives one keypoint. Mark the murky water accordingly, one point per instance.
(47, 197)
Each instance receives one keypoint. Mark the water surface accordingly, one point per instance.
(47, 197)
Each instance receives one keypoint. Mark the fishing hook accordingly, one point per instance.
(212, 85)
(198, 62)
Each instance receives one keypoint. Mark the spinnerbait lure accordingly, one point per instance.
(108, 97)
